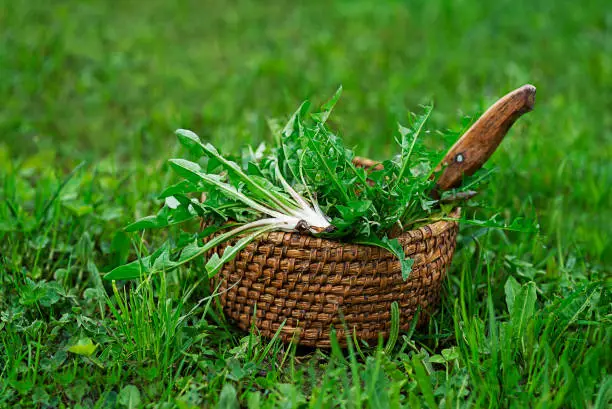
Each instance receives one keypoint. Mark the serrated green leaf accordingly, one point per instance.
(523, 308)
(136, 268)
(409, 138)
(164, 218)
(394, 246)
(328, 107)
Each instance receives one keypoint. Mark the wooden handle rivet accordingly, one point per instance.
(459, 158)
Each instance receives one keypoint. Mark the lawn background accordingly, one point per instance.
(107, 83)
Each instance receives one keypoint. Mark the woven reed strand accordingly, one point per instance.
(312, 284)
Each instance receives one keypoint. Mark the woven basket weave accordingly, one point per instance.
(312, 284)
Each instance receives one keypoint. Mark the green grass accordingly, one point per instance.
(525, 319)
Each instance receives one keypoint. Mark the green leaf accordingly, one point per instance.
(215, 262)
(44, 293)
(254, 400)
(78, 207)
(84, 247)
(396, 248)
(512, 287)
(271, 197)
(76, 390)
(228, 398)
(519, 224)
(569, 310)
(164, 218)
(289, 142)
(51, 295)
(84, 347)
(328, 107)
(187, 169)
(147, 222)
(294, 120)
(129, 397)
(395, 328)
(523, 308)
(136, 268)
(159, 261)
(187, 137)
(190, 140)
(184, 404)
(120, 248)
(183, 187)
(354, 208)
(192, 171)
(423, 381)
(450, 354)
(328, 166)
(437, 359)
(408, 141)
(130, 271)
(165, 259)
(40, 396)
(392, 245)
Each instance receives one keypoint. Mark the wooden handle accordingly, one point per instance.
(475, 147)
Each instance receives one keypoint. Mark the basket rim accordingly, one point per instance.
(293, 239)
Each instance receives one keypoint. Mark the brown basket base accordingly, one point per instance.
(310, 285)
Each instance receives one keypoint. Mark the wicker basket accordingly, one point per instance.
(313, 285)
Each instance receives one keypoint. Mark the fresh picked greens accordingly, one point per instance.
(309, 182)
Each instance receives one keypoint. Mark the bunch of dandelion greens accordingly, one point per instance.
(308, 182)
